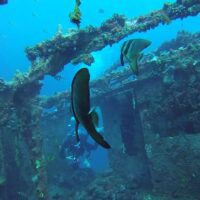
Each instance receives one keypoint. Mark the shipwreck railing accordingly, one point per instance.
(151, 67)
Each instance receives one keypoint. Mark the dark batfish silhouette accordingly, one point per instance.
(131, 51)
(2, 2)
(80, 100)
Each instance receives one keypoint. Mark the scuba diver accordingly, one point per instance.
(73, 151)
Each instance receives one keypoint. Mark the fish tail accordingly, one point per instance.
(97, 136)
(100, 140)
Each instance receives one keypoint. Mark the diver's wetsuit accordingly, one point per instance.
(69, 146)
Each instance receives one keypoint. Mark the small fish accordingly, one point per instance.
(75, 15)
(2, 2)
(101, 10)
(131, 51)
(80, 100)
(34, 14)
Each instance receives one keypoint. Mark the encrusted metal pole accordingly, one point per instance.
(2, 171)
(50, 56)
(30, 115)
(37, 156)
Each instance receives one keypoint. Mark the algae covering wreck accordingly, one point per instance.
(151, 121)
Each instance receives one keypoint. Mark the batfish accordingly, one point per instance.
(80, 100)
(131, 51)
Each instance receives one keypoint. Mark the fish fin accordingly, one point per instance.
(76, 131)
(122, 59)
(105, 145)
(134, 64)
(94, 116)
(100, 140)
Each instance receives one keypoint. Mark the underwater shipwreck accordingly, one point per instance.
(156, 156)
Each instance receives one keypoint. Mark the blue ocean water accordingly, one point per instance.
(28, 22)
